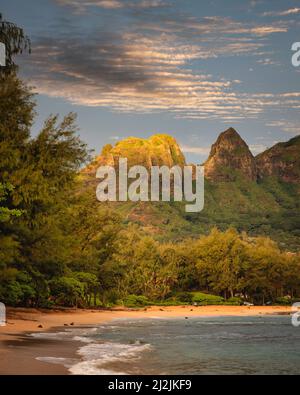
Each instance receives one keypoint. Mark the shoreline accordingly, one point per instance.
(18, 351)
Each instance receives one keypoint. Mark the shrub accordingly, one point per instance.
(284, 301)
(28, 293)
(136, 301)
(110, 298)
(167, 302)
(11, 293)
(67, 291)
(185, 297)
(206, 299)
(235, 301)
(16, 287)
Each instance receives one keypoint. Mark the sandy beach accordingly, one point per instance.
(18, 351)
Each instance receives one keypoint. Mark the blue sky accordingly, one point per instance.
(188, 68)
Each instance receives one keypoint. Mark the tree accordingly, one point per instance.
(264, 270)
(90, 286)
(67, 291)
(9, 247)
(6, 214)
(37, 180)
(219, 258)
(15, 40)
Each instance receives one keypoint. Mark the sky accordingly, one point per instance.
(188, 68)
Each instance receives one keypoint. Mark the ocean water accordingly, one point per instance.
(204, 345)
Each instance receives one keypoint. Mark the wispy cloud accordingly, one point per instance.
(285, 126)
(82, 5)
(135, 73)
(129, 74)
(257, 148)
(148, 65)
(266, 30)
(268, 62)
(288, 12)
(195, 150)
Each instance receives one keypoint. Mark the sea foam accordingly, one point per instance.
(97, 356)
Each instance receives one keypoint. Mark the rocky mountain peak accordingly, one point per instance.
(228, 155)
(158, 150)
(281, 161)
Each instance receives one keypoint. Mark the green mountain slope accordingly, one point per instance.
(239, 191)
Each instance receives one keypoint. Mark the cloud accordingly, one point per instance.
(285, 126)
(195, 150)
(148, 65)
(215, 25)
(268, 62)
(257, 148)
(82, 5)
(131, 72)
(128, 73)
(266, 30)
(115, 138)
(290, 11)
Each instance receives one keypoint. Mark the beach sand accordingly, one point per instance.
(18, 351)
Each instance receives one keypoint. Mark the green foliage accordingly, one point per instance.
(5, 212)
(14, 39)
(67, 291)
(234, 301)
(90, 286)
(185, 297)
(269, 208)
(16, 287)
(136, 301)
(206, 299)
(284, 300)
(11, 293)
(37, 180)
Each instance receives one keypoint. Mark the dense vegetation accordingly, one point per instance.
(58, 247)
(269, 208)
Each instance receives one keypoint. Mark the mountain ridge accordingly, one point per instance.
(265, 205)
(229, 157)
